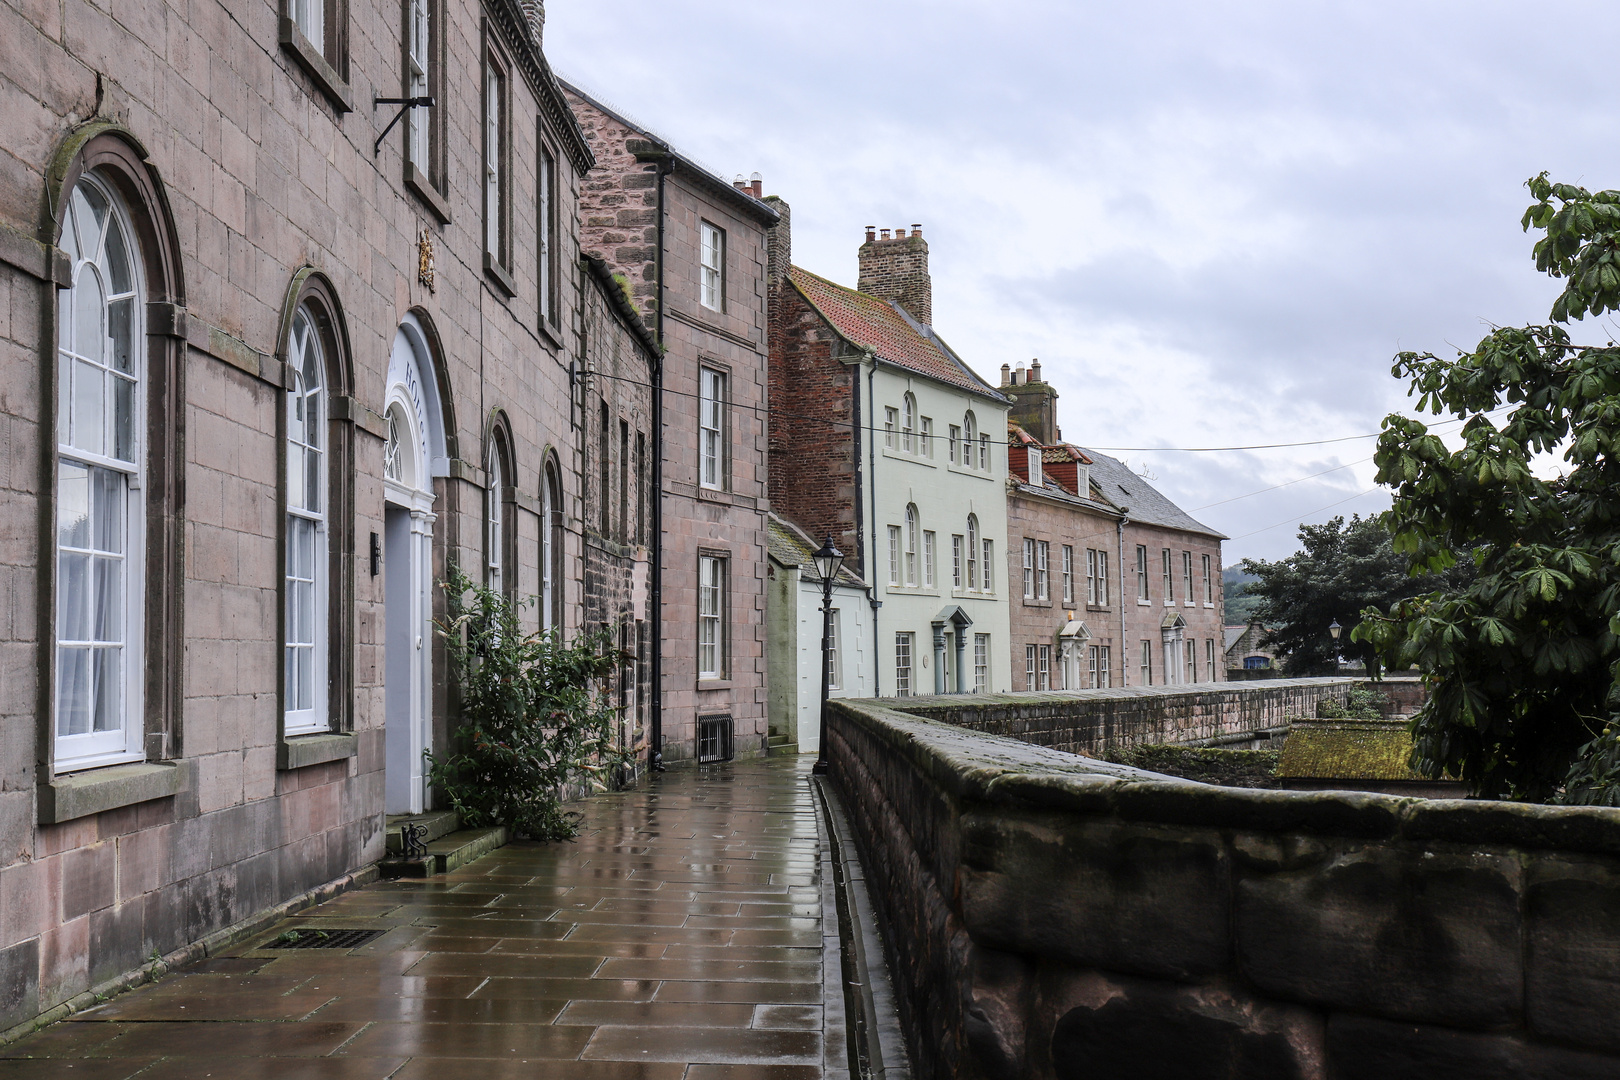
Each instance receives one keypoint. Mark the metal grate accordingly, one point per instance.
(313, 937)
(714, 739)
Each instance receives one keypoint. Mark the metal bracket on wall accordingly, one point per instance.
(406, 104)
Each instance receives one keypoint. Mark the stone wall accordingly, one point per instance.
(1052, 917)
(1091, 721)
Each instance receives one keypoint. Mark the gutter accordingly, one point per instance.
(1124, 661)
(870, 573)
(655, 736)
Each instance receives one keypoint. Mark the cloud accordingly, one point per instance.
(1214, 224)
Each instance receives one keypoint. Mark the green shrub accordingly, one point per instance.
(1362, 703)
(1594, 775)
(531, 724)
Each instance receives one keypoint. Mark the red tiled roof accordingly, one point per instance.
(881, 327)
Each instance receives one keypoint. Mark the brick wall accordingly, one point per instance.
(896, 268)
(1051, 917)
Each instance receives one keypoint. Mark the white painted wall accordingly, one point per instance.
(944, 495)
(853, 627)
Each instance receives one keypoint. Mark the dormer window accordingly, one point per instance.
(1035, 477)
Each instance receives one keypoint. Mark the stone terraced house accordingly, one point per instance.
(885, 439)
(272, 357)
(1110, 583)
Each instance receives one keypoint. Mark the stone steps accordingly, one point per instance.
(437, 823)
(778, 746)
(449, 847)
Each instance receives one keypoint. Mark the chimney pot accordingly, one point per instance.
(1035, 371)
(885, 233)
(871, 233)
(740, 184)
(1005, 370)
(756, 183)
(916, 230)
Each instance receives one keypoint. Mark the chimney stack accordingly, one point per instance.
(1004, 370)
(778, 243)
(897, 270)
(1035, 406)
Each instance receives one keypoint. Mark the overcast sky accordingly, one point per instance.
(1213, 224)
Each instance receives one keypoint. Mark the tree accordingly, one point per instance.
(1521, 661)
(1339, 570)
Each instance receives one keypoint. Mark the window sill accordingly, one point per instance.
(714, 684)
(550, 332)
(1144, 603)
(316, 67)
(419, 183)
(302, 750)
(500, 276)
(77, 795)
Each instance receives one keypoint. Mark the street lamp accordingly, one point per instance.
(1335, 629)
(827, 559)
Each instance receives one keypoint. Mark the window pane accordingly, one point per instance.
(108, 598)
(73, 597)
(121, 334)
(123, 447)
(295, 475)
(72, 691)
(89, 421)
(90, 212)
(109, 688)
(73, 505)
(89, 308)
(312, 481)
(109, 491)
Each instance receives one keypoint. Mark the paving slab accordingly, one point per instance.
(682, 937)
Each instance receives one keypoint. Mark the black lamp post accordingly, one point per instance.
(1334, 630)
(828, 559)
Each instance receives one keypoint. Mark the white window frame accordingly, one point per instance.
(1043, 564)
(956, 561)
(954, 439)
(835, 667)
(894, 556)
(1102, 578)
(970, 427)
(1209, 585)
(311, 580)
(908, 424)
(494, 524)
(1033, 457)
(972, 553)
(891, 422)
(928, 546)
(1209, 660)
(418, 78)
(989, 565)
(119, 390)
(1029, 568)
(911, 547)
(984, 451)
(495, 130)
(1029, 667)
(1043, 667)
(310, 18)
(1147, 663)
(1091, 576)
(712, 267)
(1068, 574)
(927, 436)
(981, 663)
(1187, 575)
(1143, 595)
(905, 652)
(546, 215)
(1169, 569)
(711, 429)
(711, 617)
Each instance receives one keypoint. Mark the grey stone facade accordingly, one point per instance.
(643, 210)
(245, 161)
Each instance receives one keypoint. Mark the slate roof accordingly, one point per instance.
(790, 545)
(889, 333)
(1141, 501)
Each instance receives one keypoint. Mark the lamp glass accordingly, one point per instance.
(828, 559)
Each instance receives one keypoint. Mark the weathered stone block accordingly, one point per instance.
(1572, 975)
(19, 983)
(1148, 1031)
(1415, 935)
(1116, 896)
(1360, 1048)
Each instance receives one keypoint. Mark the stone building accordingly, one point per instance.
(1111, 583)
(886, 440)
(267, 368)
(691, 248)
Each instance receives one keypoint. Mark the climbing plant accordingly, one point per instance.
(533, 722)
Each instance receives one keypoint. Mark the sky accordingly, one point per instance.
(1214, 225)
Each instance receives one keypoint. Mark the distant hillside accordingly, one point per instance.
(1239, 606)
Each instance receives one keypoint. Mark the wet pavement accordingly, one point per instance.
(681, 938)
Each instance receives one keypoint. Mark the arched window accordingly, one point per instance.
(970, 435)
(973, 552)
(551, 549)
(911, 546)
(100, 521)
(908, 424)
(499, 571)
(308, 578)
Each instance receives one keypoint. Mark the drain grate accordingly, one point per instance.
(313, 937)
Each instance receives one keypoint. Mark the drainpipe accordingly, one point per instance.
(871, 457)
(1124, 655)
(939, 656)
(655, 751)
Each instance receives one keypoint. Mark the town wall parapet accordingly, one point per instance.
(1053, 916)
